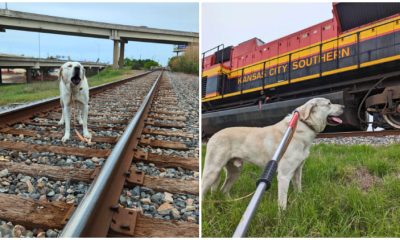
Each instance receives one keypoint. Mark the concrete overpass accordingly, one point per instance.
(13, 61)
(39, 64)
(120, 34)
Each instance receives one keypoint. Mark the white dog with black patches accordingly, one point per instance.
(74, 88)
(230, 147)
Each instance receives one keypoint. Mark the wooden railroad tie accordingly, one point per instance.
(57, 116)
(33, 213)
(53, 135)
(163, 144)
(167, 133)
(167, 161)
(161, 111)
(83, 152)
(90, 126)
(152, 122)
(131, 223)
(88, 175)
(126, 222)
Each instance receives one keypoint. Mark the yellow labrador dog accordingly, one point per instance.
(74, 87)
(231, 146)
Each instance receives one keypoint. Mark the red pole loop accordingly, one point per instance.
(293, 121)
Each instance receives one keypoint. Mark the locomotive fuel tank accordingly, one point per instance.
(272, 113)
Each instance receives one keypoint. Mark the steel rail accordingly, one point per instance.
(93, 216)
(20, 113)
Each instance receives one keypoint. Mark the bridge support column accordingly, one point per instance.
(28, 75)
(122, 53)
(116, 52)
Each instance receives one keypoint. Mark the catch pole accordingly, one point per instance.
(265, 181)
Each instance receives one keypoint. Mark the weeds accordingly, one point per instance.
(334, 201)
(21, 93)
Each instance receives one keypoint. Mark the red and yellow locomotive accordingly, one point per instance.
(352, 59)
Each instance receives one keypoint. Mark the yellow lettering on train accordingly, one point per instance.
(329, 56)
(325, 57)
(345, 52)
(254, 76)
(285, 67)
(302, 63)
(250, 77)
(272, 71)
(295, 65)
(260, 74)
(335, 54)
(282, 69)
(316, 59)
(309, 62)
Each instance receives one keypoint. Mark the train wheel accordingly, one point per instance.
(393, 119)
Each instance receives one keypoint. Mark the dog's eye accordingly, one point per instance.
(69, 65)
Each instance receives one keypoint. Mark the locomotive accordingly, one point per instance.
(352, 59)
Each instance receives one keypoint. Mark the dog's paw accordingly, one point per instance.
(65, 138)
(80, 121)
(87, 134)
(281, 208)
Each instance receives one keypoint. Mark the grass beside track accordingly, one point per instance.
(21, 93)
(348, 191)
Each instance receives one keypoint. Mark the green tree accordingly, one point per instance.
(140, 64)
(188, 62)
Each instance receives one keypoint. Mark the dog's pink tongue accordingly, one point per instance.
(337, 120)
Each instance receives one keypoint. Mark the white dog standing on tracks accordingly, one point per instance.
(74, 88)
(229, 147)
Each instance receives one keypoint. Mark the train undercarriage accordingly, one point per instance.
(362, 92)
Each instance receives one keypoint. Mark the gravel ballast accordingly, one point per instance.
(375, 141)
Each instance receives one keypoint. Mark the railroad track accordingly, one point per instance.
(359, 134)
(137, 178)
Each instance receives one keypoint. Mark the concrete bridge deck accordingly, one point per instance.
(119, 33)
(40, 64)
(12, 61)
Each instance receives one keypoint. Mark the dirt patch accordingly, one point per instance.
(364, 179)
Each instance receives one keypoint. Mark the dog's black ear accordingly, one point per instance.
(305, 110)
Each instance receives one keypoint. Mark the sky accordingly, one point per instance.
(233, 23)
(174, 16)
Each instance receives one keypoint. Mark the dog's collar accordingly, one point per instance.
(309, 126)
